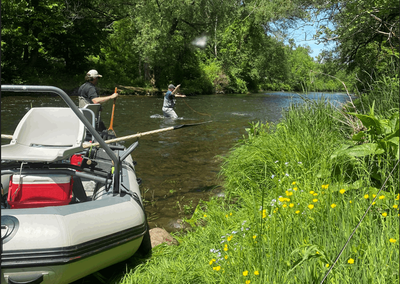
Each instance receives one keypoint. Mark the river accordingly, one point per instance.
(179, 167)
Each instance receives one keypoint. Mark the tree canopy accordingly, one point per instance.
(153, 43)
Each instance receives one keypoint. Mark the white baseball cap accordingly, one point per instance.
(93, 73)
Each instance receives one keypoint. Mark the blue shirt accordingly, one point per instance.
(169, 100)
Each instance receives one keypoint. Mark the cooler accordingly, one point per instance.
(39, 190)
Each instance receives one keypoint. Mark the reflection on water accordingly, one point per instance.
(178, 167)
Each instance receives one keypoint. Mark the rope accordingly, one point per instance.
(359, 223)
(196, 111)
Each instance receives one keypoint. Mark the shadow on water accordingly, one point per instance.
(178, 167)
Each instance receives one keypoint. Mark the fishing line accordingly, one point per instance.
(359, 223)
(196, 111)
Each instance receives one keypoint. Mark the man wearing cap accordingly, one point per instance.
(88, 95)
(169, 101)
(88, 92)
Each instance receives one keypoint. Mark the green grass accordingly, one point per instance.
(288, 212)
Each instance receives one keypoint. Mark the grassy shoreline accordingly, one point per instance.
(292, 201)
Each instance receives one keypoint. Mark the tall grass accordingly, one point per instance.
(384, 91)
(288, 212)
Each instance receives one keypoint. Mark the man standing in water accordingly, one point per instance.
(169, 101)
(88, 94)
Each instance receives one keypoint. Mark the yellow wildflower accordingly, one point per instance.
(245, 273)
(384, 214)
(333, 205)
(351, 261)
(312, 192)
(327, 265)
(205, 215)
(230, 214)
(255, 236)
(281, 199)
(295, 188)
(373, 203)
(297, 212)
(311, 206)
(264, 213)
(366, 196)
(284, 205)
(350, 201)
(342, 191)
(373, 195)
(395, 206)
(247, 282)
(289, 193)
(381, 197)
(212, 261)
(291, 205)
(230, 238)
(315, 200)
(226, 257)
(315, 194)
(392, 240)
(256, 272)
(398, 197)
(225, 249)
(226, 215)
(293, 183)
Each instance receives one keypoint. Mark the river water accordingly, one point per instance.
(179, 167)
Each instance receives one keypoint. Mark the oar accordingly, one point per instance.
(110, 130)
(88, 145)
(6, 136)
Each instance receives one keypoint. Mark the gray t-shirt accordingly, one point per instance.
(88, 92)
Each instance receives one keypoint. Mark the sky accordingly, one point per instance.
(304, 36)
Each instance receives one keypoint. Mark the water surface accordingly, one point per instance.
(178, 167)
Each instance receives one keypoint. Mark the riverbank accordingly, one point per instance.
(291, 204)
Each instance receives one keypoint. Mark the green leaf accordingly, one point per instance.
(338, 152)
(359, 136)
(361, 150)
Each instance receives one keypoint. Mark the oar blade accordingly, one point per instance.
(192, 124)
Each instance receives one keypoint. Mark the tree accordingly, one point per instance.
(368, 35)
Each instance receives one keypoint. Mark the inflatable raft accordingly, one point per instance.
(68, 210)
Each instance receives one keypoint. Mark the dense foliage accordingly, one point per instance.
(207, 46)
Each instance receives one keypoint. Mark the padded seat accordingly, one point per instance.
(45, 135)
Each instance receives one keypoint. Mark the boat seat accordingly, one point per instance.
(95, 108)
(91, 117)
(45, 135)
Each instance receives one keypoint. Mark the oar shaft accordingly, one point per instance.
(6, 136)
(129, 137)
(112, 113)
